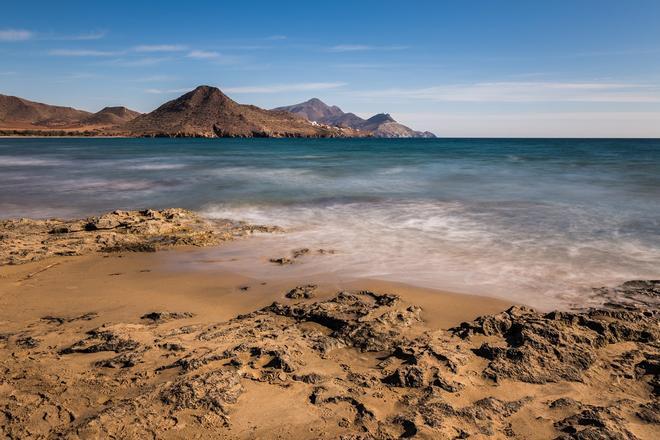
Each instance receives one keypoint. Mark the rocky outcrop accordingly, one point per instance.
(360, 365)
(24, 240)
(381, 125)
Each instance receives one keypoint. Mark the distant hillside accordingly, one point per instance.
(20, 113)
(110, 116)
(207, 112)
(380, 125)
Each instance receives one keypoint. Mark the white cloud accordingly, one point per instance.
(280, 88)
(203, 54)
(160, 48)
(82, 53)
(15, 35)
(524, 92)
(276, 37)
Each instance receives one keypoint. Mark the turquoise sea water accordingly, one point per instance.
(528, 219)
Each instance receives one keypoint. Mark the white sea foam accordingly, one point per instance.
(156, 166)
(447, 246)
(27, 161)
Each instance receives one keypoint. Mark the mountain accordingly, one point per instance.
(380, 125)
(110, 116)
(20, 113)
(207, 112)
(23, 115)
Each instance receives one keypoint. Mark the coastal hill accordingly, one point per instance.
(110, 116)
(17, 112)
(21, 114)
(380, 125)
(202, 112)
(207, 112)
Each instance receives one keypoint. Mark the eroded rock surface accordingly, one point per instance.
(25, 240)
(360, 365)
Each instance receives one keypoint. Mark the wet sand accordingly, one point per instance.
(126, 286)
(123, 345)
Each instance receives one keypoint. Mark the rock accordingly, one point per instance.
(158, 317)
(104, 339)
(297, 253)
(538, 348)
(27, 342)
(305, 291)
(213, 391)
(25, 240)
(594, 422)
(282, 261)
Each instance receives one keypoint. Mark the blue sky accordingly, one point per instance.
(458, 68)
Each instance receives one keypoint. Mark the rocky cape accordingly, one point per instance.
(202, 112)
(381, 125)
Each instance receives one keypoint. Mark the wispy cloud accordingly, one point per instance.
(23, 35)
(525, 92)
(15, 35)
(363, 47)
(215, 57)
(204, 54)
(137, 62)
(7, 73)
(154, 78)
(167, 91)
(160, 48)
(276, 37)
(83, 53)
(280, 88)
(88, 36)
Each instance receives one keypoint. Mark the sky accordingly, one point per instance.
(475, 68)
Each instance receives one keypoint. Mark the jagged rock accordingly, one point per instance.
(594, 422)
(62, 319)
(213, 391)
(103, 339)
(123, 360)
(27, 342)
(358, 320)
(25, 240)
(282, 261)
(302, 292)
(158, 317)
(538, 348)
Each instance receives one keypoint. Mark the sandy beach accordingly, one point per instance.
(117, 343)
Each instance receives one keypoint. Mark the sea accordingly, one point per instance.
(536, 221)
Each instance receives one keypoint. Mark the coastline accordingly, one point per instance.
(115, 342)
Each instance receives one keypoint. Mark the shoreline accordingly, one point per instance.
(64, 279)
(119, 343)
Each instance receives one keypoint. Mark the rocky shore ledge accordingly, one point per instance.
(24, 240)
(356, 365)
